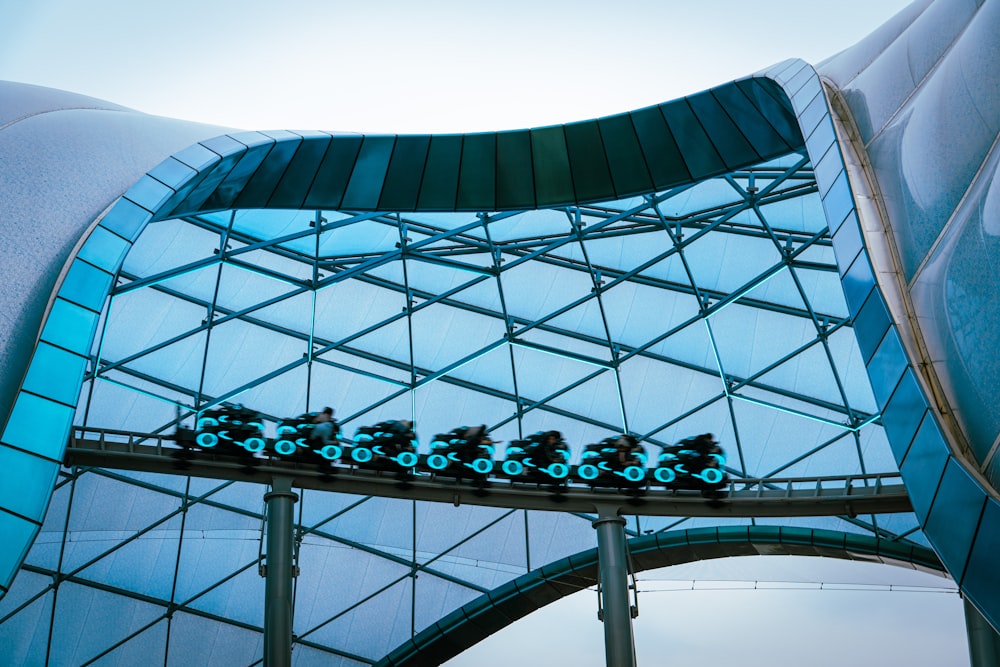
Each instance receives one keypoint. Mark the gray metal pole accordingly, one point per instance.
(619, 644)
(984, 642)
(278, 578)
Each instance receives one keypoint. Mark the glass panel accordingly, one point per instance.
(924, 465)
(954, 517)
(699, 154)
(982, 577)
(369, 173)
(172, 173)
(331, 179)
(903, 414)
(86, 285)
(515, 184)
(628, 167)
(402, 182)
(476, 183)
(265, 179)
(17, 537)
(38, 425)
(104, 249)
(149, 193)
(591, 176)
(553, 183)
(27, 483)
(440, 184)
(722, 132)
(887, 366)
(294, 184)
(55, 373)
(126, 219)
(752, 124)
(234, 182)
(70, 326)
(838, 202)
(870, 324)
(663, 157)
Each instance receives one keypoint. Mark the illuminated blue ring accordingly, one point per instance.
(407, 459)
(285, 429)
(362, 437)
(665, 475)
(587, 471)
(253, 444)
(482, 466)
(285, 447)
(207, 421)
(557, 470)
(207, 440)
(512, 468)
(331, 452)
(361, 454)
(437, 462)
(721, 458)
(634, 473)
(715, 473)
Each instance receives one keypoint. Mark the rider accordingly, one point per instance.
(326, 427)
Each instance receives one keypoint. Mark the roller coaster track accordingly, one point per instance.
(849, 495)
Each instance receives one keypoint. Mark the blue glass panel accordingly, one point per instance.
(198, 197)
(149, 193)
(828, 169)
(365, 186)
(515, 180)
(260, 186)
(774, 108)
(27, 482)
(197, 157)
(38, 425)
(982, 576)
(234, 182)
(126, 219)
(172, 173)
(621, 146)
(104, 249)
(903, 413)
(553, 183)
(334, 172)
(440, 185)
(858, 282)
(406, 169)
(591, 176)
(86, 285)
(838, 203)
(813, 114)
(70, 326)
(18, 535)
(887, 366)
(728, 140)
(476, 180)
(663, 157)
(752, 124)
(806, 93)
(224, 145)
(821, 139)
(294, 184)
(870, 324)
(847, 243)
(954, 517)
(699, 154)
(55, 373)
(924, 465)
(803, 76)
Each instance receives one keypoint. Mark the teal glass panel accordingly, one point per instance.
(197, 157)
(764, 139)
(982, 576)
(86, 285)
(260, 186)
(172, 173)
(858, 282)
(806, 93)
(294, 185)
(406, 169)
(126, 219)
(553, 182)
(515, 182)
(800, 79)
(923, 466)
(224, 145)
(699, 154)
(813, 114)
(198, 197)
(871, 324)
(887, 366)
(589, 166)
(439, 188)
(477, 174)
(104, 249)
(334, 172)
(39, 425)
(70, 326)
(847, 244)
(621, 146)
(903, 414)
(821, 139)
(954, 517)
(55, 373)
(727, 138)
(232, 185)
(149, 193)
(27, 482)
(828, 169)
(18, 535)
(774, 108)
(663, 157)
(838, 203)
(365, 186)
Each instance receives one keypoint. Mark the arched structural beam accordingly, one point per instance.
(502, 606)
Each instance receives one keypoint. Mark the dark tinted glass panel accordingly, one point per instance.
(923, 466)
(294, 184)
(476, 180)
(858, 282)
(515, 182)
(440, 185)
(265, 179)
(365, 186)
(628, 166)
(734, 148)
(591, 176)
(764, 139)
(903, 414)
(553, 182)
(406, 169)
(870, 324)
(233, 184)
(699, 154)
(982, 577)
(847, 244)
(328, 188)
(887, 366)
(663, 158)
(765, 97)
(954, 517)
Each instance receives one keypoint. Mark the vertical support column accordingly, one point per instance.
(278, 577)
(984, 642)
(619, 644)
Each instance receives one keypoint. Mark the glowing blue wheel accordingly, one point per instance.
(407, 459)
(482, 466)
(711, 475)
(665, 475)
(285, 429)
(361, 454)
(512, 468)
(284, 447)
(587, 472)
(437, 462)
(557, 470)
(634, 473)
(331, 452)
(254, 444)
(207, 440)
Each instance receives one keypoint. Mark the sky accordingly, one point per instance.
(404, 67)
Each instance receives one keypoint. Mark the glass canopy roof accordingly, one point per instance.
(715, 307)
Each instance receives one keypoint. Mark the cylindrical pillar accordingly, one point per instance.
(619, 645)
(278, 578)
(984, 642)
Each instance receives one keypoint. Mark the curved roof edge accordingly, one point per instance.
(504, 605)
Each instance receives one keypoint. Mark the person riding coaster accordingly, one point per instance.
(389, 443)
(697, 463)
(465, 452)
(309, 433)
(617, 460)
(543, 457)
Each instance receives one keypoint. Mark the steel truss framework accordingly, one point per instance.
(711, 307)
